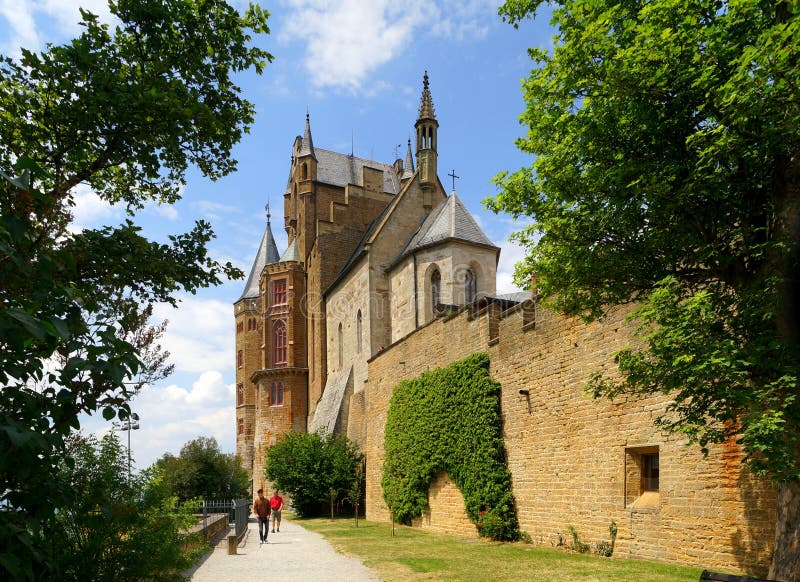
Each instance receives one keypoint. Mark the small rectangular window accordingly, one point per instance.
(276, 394)
(240, 394)
(240, 358)
(240, 427)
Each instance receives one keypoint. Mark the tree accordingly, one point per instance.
(667, 174)
(201, 470)
(111, 531)
(314, 468)
(125, 112)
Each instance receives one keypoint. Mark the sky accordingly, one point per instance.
(356, 67)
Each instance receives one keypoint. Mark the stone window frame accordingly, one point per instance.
(240, 426)
(436, 288)
(276, 391)
(239, 394)
(239, 359)
(470, 286)
(642, 495)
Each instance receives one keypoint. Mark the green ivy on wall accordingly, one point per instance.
(449, 419)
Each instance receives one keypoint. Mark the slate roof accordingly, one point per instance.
(291, 254)
(341, 169)
(449, 221)
(267, 254)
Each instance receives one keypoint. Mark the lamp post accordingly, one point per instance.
(132, 423)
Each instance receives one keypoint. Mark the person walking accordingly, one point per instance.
(262, 509)
(276, 504)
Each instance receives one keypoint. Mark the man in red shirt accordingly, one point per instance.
(261, 509)
(276, 504)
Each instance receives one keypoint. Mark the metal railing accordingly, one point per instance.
(238, 511)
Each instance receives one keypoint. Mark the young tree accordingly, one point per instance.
(314, 468)
(123, 111)
(202, 470)
(667, 173)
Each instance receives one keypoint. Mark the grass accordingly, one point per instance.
(414, 554)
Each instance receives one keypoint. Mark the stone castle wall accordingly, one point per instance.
(575, 460)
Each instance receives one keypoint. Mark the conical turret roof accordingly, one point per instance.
(267, 254)
(408, 167)
(307, 148)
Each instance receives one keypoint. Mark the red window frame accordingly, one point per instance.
(279, 292)
(240, 428)
(279, 344)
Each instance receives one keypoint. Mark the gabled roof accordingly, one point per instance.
(449, 221)
(267, 254)
(343, 169)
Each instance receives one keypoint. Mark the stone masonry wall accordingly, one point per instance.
(572, 458)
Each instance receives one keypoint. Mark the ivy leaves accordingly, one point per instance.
(449, 420)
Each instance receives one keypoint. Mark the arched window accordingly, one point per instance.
(436, 288)
(279, 344)
(341, 347)
(305, 171)
(358, 330)
(470, 287)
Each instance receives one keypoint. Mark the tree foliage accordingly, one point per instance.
(667, 172)
(449, 419)
(313, 468)
(201, 470)
(123, 111)
(109, 531)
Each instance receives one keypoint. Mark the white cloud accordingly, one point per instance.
(510, 255)
(56, 20)
(89, 209)
(200, 334)
(346, 40)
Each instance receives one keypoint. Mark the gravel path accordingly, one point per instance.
(291, 554)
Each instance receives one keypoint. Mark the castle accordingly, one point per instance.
(385, 276)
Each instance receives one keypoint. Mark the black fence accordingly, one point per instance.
(238, 511)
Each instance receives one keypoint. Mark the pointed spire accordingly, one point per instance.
(307, 149)
(408, 167)
(266, 255)
(426, 110)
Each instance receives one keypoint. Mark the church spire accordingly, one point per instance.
(426, 110)
(266, 255)
(427, 128)
(307, 149)
(408, 167)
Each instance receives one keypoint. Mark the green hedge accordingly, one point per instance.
(449, 419)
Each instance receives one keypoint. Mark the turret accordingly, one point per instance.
(427, 128)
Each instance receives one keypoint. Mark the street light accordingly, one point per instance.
(132, 423)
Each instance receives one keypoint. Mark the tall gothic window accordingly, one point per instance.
(341, 347)
(358, 330)
(436, 288)
(470, 287)
(279, 343)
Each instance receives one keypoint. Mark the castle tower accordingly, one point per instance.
(408, 168)
(249, 329)
(427, 139)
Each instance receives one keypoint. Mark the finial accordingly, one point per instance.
(266, 207)
(307, 147)
(426, 110)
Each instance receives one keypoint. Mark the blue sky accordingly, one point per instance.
(356, 66)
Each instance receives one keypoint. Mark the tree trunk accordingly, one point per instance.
(785, 564)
